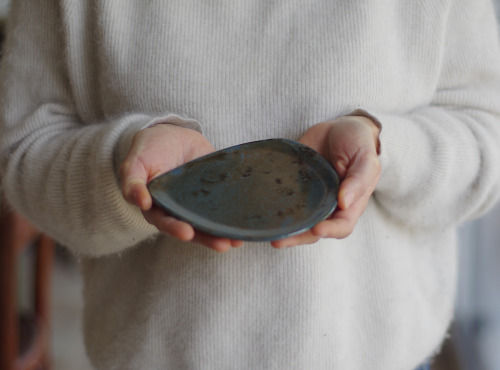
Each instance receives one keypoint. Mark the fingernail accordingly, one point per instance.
(348, 198)
(138, 200)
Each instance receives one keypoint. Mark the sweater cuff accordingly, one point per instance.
(402, 143)
(176, 120)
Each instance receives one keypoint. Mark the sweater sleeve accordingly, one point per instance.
(58, 171)
(440, 162)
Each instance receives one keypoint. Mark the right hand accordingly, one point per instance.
(154, 151)
(350, 143)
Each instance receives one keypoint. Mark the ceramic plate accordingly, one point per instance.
(263, 190)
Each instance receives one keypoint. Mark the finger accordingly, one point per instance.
(304, 238)
(361, 178)
(169, 225)
(218, 244)
(177, 229)
(134, 179)
(185, 232)
(139, 195)
(338, 228)
(342, 222)
(236, 243)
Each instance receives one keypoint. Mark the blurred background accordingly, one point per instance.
(474, 342)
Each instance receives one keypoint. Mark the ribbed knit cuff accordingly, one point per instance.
(402, 143)
(174, 119)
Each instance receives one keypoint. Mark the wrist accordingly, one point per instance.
(372, 122)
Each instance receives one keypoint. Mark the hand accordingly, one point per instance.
(350, 143)
(154, 151)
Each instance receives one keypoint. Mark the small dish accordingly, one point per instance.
(258, 191)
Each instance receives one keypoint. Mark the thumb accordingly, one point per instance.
(134, 180)
(360, 179)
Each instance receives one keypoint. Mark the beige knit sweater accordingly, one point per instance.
(80, 77)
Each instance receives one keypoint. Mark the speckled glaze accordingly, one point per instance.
(262, 190)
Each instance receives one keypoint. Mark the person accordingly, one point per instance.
(99, 97)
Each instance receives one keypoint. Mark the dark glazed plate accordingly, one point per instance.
(263, 190)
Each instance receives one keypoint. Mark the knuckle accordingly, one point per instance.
(373, 160)
(347, 230)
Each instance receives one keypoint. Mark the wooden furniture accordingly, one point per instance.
(24, 337)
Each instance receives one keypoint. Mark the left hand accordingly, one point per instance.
(156, 150)
(350, 143)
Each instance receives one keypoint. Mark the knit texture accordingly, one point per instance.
(81, 78)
